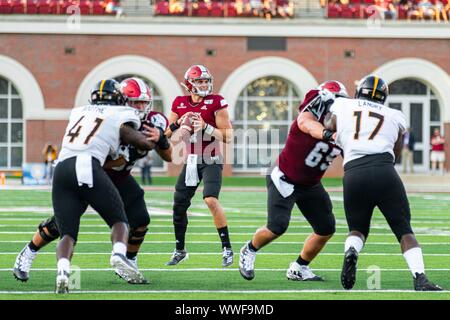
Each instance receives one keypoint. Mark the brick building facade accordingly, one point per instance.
(53, 67)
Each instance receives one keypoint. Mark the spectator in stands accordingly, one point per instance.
(422, 10)
(385, 9)
(285, 8)
(440, 9)
(49, 154)
(408, 151)
(437, 152)
(427, 9)
(256, 8)
(114, 7)
(176, 7)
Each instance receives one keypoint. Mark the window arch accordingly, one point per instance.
(263, 114)
(140, 66)
(11, 126)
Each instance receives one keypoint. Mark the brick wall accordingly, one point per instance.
(59, 75)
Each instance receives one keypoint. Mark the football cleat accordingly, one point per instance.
(23, 263)
(299, 272)
(62, 282)
(124, 276)
(125, 269)
(247, 262)
(421, 283)
(177, 257)
(227, 257)
(348, 275)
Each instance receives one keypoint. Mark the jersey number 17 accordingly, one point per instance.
(359, 114)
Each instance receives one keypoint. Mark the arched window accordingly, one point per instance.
(158, 105)
(423, 114)
(11, 126)
(263, 113)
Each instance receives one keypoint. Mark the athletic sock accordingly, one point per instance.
(355, 242)
(120, 247)
(302, 262)
(131, 255)
(224, 237)
(64, 265)
(252, 247)
(33, 247)
(180, 233)
(414, 259)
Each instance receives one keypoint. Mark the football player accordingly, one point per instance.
(202, 118)
(371, 136)
(138, 96)
(295, 179)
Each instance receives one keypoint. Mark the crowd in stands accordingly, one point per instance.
(267, 9)
(438, 10)
(86, 7)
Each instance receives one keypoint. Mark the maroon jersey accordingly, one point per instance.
(304, 159)
(207, 108)
(153, 119)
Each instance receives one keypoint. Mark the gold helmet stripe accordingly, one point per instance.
(101, 88)
(375, 86)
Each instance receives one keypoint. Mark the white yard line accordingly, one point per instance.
(273, 243)
(442, 234)
(262, 291)
(219, 253)
(170, 269)
(233, 220)
(210, 226)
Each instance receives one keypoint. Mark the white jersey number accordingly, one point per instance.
(318, 153)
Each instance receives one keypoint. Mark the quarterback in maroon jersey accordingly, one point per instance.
(295, 179)
(118, 168)
(201, 120)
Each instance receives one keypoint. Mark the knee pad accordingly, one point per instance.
(50, 226)
(278, 227)
(136, 237)
(400, 227)
(180, 206)
(181, 200)
(180, 218)
(326, 228)
(139, 220)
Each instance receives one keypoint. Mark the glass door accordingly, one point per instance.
(417, 112)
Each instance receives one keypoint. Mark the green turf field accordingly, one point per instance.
(202, 277)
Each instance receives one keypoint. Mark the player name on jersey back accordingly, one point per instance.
(95, 130)
(365, 127)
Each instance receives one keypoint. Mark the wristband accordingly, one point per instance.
(327, 135)
(174, 126)
(209, 129)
